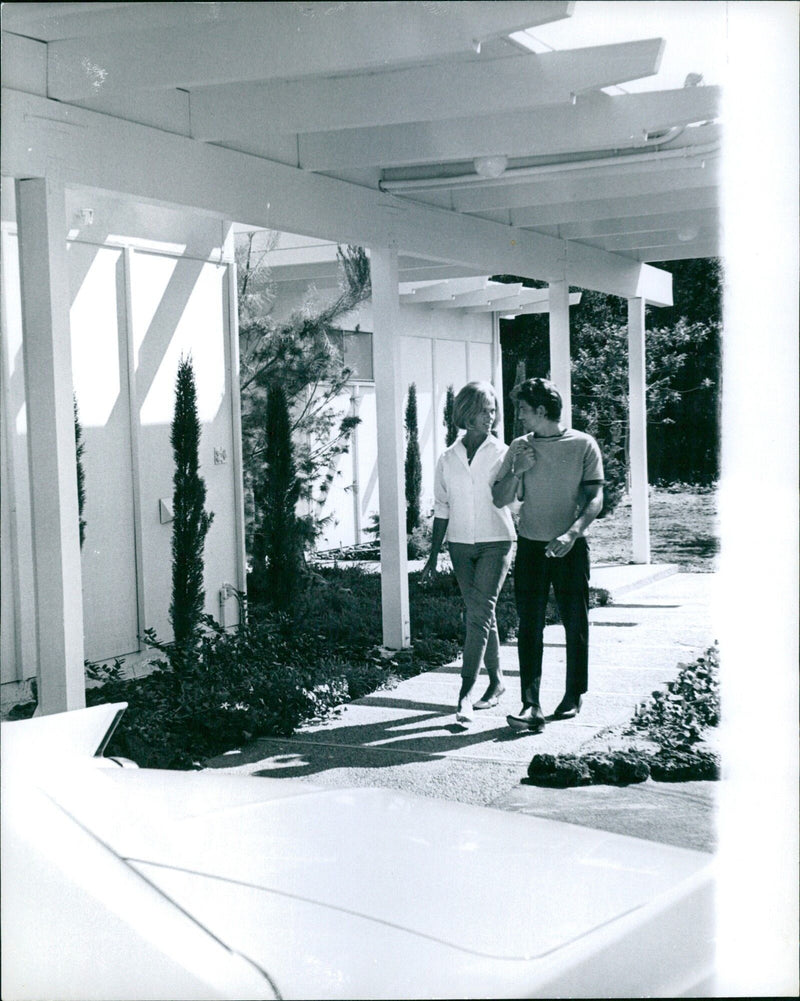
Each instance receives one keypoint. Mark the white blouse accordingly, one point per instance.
(463, 494)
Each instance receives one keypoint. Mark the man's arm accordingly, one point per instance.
(593, 492)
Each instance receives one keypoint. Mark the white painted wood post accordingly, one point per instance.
(637, 420)
(391, 474)
(497, 372)
(560, 360)
(44, 280)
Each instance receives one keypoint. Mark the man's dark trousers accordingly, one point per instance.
(533, 574)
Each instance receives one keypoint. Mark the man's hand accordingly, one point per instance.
(428, 572)
(561, 546)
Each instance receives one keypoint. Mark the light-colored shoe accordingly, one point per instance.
(489, 701)
(464, 713)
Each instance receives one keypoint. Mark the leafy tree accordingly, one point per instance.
(278, 542)
(413, 466)
(451, 431)
(79, 449)
(683, 436)
(191, 521)
(600, 389)
(302, 355)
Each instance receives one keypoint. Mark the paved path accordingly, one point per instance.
(407, 737)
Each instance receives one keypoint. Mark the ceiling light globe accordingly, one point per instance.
(490, 166)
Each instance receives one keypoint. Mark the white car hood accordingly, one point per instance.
(494, 884)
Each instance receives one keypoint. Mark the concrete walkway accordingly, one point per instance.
(407, 737)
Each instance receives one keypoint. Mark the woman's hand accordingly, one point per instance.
(524, 457)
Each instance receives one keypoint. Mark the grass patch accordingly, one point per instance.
(683, 529)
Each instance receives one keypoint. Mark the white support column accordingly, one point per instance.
(44, 281)
(637, 418)
(560, 362)
(391, 476)
(497, 372)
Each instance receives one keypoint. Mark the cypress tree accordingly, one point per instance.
(413, 462)
(277, 542)
(451, 432)
(79, 447)
(191, 520)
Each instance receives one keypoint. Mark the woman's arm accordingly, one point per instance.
(439, 530)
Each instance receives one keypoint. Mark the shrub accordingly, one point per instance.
(559, 771)
(677, 717)
(191, 521)
(675, 720)
(277, 541)
(413, 464)
(451, 431)
(262, 681)
(80, 447)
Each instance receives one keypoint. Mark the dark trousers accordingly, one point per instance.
(533, 574)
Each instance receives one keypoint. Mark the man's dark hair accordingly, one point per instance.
(540, 393)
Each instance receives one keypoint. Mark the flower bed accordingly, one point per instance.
(668, 739)
(281, 671)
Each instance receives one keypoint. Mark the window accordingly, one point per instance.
(356, 349)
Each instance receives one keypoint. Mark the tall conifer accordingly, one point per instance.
(413, 462)
(451, 431)
(191, 520)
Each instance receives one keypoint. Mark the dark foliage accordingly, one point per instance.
(191, 521)
(413, 463)
(281, 669)
(79, 449)
(674, 719)
(684, 373)
(451, 431)
(277, 539)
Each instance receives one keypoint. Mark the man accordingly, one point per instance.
(558, 475)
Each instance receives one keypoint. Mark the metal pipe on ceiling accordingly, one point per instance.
(519, 174)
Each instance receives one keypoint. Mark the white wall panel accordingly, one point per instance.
(179, 309)
(18, 652)
(99, 365)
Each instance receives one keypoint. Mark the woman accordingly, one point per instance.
(479, 536)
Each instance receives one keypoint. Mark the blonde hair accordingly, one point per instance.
(471, 400)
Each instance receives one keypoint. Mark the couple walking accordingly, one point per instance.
(554, 475)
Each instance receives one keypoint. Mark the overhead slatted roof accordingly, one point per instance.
(427, 105)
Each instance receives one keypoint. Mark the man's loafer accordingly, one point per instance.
(530, 720)
(568, 707)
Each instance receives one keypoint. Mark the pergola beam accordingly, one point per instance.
(638, 224)
(535, 307)
(93, 150)
(595, 121)
(417, 94)
(586, 208)
(626, 181)
(336, 39)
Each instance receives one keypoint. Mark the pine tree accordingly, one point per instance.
(191, 520)
(79, 447)
(277, 544)
(451, 432)
(413, 462)
(304, 353)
